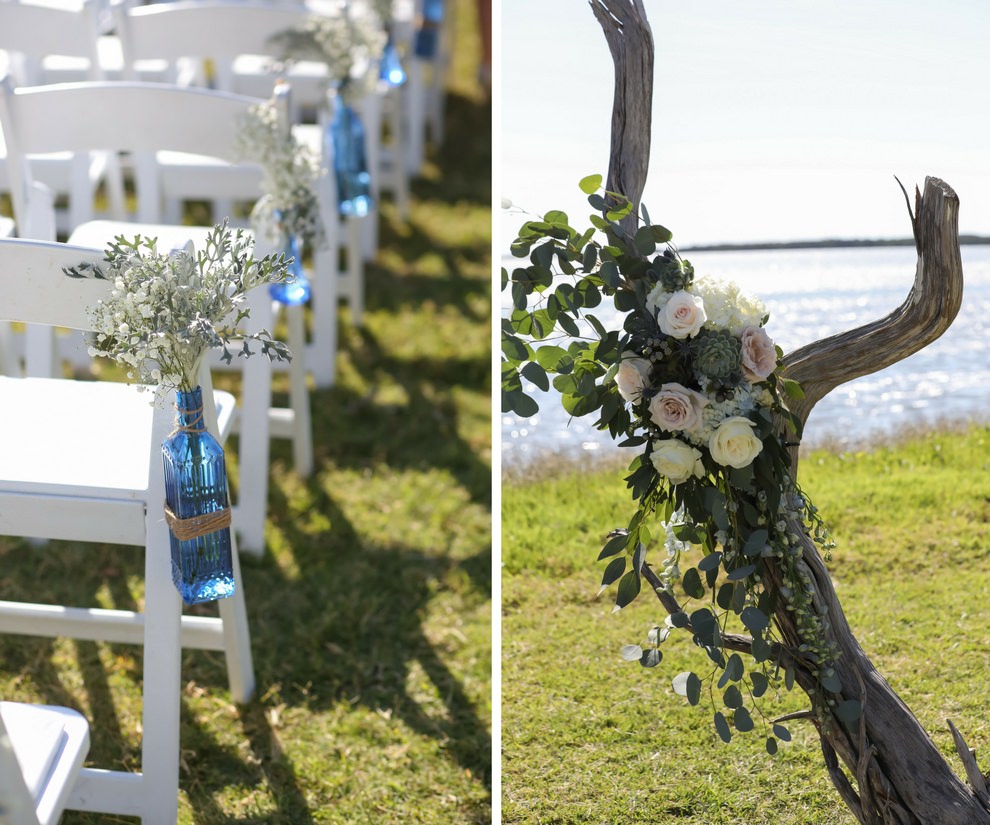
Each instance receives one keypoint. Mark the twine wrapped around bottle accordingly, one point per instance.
(185, 529)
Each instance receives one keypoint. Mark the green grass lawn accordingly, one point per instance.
(590, 738)
(371, 611)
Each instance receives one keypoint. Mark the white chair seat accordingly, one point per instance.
(94, 445)
(49, 744)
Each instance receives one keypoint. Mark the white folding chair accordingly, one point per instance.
(76, 478)
(42, 748)
(425, 91)
(224, 32)
(181, 119)
(31, 33)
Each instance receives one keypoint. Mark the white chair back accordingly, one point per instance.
(31, 34)
(221, 30)
(142, 118)
(87, 482)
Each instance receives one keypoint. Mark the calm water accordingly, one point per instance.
(811, 294)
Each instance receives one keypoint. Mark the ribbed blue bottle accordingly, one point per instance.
(297, 289)
(428, 33)
(391, 66)
(350, 162)
(198, 509)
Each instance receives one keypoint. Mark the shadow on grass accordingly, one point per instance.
(351, 629)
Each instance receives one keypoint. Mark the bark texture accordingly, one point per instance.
(630, 40)
(885, 767)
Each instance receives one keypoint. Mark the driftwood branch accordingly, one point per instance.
(884, 765)
(977, 781)
(630, 40)
(926, 313)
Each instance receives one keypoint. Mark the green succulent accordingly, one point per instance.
(716, 354)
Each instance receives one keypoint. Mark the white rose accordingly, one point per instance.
(676, 407)
(758, 356)
(733, 444)
(682, 315)
(632, 376)
(677, 461)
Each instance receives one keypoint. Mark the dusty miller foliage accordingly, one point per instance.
(166, 310)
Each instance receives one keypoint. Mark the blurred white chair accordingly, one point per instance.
(223, 32)
(142, 118)
(42, 748)
(81, 461)
(426, 88)
(30, 33)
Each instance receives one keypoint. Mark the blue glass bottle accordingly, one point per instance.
(297, 289)
(350, 163)
(391, 67)
(195, 487)
(428, 33)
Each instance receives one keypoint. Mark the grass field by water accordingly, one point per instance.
(590, 738)
(371, 611)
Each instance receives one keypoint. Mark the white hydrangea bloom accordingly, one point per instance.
(726, 306)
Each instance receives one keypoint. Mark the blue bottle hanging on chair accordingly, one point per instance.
(428, 33)
(391, 66)
(296, 289)
(197, 507)
(350, 163)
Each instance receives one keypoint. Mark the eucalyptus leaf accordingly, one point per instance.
(535, 373)
(590, 184)
(782, 733)
(631, 653)
(848, 711)
(722, 727)
(741, 573)
(513, 348)
(831, 682)
(651, 658)
(691, 583)
(628, 590)
(759, 682)
(754, 619)
(742, 720)
(732, 697)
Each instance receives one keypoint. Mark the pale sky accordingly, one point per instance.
(773, 120)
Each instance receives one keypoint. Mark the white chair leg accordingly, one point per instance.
(355, 270)
(237, 636)
(399, 175)
(371, 113)
(321, 355)
(416, 95)
(302, 427)
(254, 435)
(162, 676)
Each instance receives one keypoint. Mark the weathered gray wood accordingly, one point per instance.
(630, 40)
(885, 767)
(929, 309)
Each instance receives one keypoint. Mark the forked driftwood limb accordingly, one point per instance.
(630, 40)
(884, 765)
(926, 313)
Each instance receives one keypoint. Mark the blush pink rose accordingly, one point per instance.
(632, 376)
(759, 356)
(676, 407)
(682, 316)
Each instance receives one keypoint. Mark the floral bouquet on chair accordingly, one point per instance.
(691, 382)
(164, 314)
